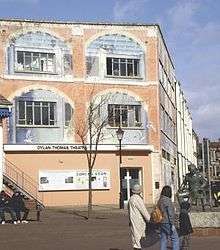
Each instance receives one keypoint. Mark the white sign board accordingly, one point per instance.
(73, 179)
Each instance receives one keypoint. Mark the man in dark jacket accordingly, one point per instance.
(2, 207)
(5, 201)
(185, 225)
(18, 206)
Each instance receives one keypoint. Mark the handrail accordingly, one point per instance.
(19, 170)
(23, 181)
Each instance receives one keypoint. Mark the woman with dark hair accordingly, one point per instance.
(168, 229)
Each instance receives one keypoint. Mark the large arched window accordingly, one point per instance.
(115, 56)
(38, 53)
(41, 116)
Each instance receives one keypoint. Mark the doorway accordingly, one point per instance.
(128, 177)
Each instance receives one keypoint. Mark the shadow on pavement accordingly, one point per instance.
(152, 236)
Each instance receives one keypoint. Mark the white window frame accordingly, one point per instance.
(25, 119)
(130, 116)
(112, 58)
(34, 51)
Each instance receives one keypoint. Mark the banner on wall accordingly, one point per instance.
(73, 179)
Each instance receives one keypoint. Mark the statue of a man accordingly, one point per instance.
(196, 185)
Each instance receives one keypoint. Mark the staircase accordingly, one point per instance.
(16, 180)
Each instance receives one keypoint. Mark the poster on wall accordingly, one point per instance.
(73, 179)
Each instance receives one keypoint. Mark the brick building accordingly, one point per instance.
(50, 72)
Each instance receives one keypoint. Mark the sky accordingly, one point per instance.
(191, 29)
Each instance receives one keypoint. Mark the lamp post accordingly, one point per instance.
(120, 134)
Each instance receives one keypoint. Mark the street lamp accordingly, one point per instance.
(120, 134)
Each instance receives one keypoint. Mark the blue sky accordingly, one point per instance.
(191, 29)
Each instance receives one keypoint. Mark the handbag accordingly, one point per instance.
(156, 215)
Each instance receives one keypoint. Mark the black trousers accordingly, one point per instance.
(18, 213)
(9, 210)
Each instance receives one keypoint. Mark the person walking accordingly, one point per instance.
(138, 216)
(185, 225)
(167, 227)
(18, 206)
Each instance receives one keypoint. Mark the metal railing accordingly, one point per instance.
(23, 182)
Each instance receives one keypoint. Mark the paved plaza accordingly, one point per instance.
(69, 230)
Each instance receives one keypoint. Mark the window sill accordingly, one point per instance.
(35, 72)
(127, 128)
(36, 126)
(125, 77)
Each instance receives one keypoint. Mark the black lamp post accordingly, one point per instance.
(120, 134)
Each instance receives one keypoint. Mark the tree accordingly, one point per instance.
(90, 131)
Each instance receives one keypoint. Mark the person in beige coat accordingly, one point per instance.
(138, 216)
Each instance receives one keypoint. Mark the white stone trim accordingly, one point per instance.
(53, 78)
(117, 82)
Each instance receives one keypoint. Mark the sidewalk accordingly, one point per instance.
(67, 229)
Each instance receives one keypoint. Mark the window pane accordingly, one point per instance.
(115, 67)
(43, 62)
(130, 69)
(117, 115)
(45, 115)
(35, 62)
(109, 66)
(21, 108)
(27, 57)
(136, 68)
(111, 115)
(29, 115)
(137, 113)
(20, 60)
(37, 115)
(124, 116)
(123, 67)
(50, 64)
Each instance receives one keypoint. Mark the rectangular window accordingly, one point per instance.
(122, 67)
(36, 113)
(124, 115)
(35, 62)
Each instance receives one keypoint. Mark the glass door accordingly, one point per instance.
(128, 177)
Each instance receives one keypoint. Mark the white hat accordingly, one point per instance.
(136, 189)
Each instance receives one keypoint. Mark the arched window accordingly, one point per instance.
(121, 56)
(41, 116)
(38, 53)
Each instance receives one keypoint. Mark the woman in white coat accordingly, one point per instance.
(138, 216)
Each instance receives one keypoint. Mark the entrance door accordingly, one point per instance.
(128, 177)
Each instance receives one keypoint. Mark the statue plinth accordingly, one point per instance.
(205, 219)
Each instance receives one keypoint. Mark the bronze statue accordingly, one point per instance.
(194, 187)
